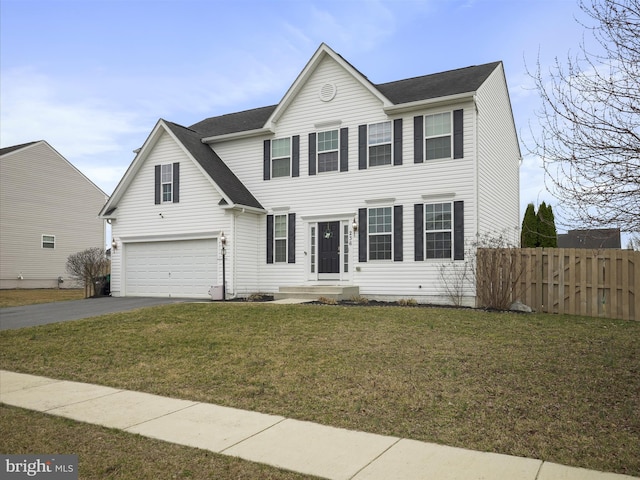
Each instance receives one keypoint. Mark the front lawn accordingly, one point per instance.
(560, 388)
(18, 297)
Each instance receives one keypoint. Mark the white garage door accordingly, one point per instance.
(185, 268)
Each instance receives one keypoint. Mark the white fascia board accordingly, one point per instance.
(236, 135)
(243, 208)
(431, 102)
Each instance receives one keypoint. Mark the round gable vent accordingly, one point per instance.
(327, 92)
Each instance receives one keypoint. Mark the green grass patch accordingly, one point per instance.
(560, 388)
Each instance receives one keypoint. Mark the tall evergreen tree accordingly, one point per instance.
(529, 234)
(547, 233)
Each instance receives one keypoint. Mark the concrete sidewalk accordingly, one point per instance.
(303, 447)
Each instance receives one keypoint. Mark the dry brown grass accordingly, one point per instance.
(18, 297)
(559, 388)
(106, 453)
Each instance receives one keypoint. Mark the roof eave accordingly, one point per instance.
(430, 102)
(238, 135)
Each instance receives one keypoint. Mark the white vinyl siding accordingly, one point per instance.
(27, 211)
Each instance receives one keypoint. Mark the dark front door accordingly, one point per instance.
(329, 247)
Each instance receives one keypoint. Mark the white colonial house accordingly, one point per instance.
(48, 211)
(344, 186)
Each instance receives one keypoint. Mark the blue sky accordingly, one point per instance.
(92, 77)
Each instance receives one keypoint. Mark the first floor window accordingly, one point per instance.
(166, 180)
(281, 157)
(48, 241)
(280, 238)
(379, 144)
(328, 144)
(380, 227)
(438, 226)
(438, 135)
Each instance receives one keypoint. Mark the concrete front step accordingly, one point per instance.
(313, 292)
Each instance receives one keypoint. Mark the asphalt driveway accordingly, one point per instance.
(41, 314)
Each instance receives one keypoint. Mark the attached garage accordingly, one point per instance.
(182, 268)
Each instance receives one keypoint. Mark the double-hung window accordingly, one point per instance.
(439, 230)
(380, 225)
(438, 135)
(280, 237)
(48, 241)
(379, 144)
(281, 157)
(328, 151)
(166, 180)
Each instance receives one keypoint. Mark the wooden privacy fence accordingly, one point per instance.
(575, 281)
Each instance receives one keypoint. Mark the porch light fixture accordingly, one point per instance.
(114, 244)
(223, 244)
(354, 225)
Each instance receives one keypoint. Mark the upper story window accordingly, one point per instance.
(167, 183)
(379, 142)
(439, 229)
(328, 151)
(380, 229)
(438, 136)
(281, 157)
(166, 180)
(48, 241)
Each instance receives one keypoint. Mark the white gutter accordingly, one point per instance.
(237, 135)
(418, 104)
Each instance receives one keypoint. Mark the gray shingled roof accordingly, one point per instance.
(462, 80)
(214, 166)
(234, 122)
(5, 150)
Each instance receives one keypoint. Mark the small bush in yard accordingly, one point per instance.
(328, 301)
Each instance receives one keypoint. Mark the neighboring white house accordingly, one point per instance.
(343, 183)
(48, 211)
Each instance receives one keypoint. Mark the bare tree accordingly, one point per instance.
(590, 120)
(89, 268)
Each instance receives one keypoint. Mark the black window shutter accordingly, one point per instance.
(295, 156)
(397, 141)
(362, 147)
(397, 233)
(267, 160)
(312, 154)
(158, 197)
(362, 235)
(458, 147)
(458, 230)
(291, 239)
(269, 238)
(418, 231)
(418, 139)
(344, 149)
(176, 182)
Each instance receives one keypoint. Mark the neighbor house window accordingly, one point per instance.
(280, 238)
(379, 143)
(438, 135)
(328, 151)
(48, 241)
(281, 157)
(166, 181)
(438, 226)
(380, 225)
